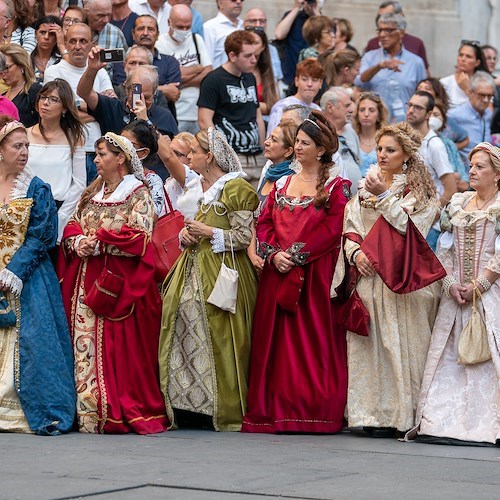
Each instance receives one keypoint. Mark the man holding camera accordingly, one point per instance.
(113, 114)
(78, 42)
(289, 32)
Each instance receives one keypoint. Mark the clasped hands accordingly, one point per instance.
(86, 246)
(462, 294)
(283, 262)
(194, 231)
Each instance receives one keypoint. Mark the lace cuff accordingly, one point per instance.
(217, 240)
(12, 281)
(297, 256)
(76, 241)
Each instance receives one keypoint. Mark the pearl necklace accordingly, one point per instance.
(307, 180)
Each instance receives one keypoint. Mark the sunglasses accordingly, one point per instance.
(255, 29)
(476, 43)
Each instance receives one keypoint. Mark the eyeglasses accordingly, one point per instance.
(484, 97)
(330, 32)
(388, 31)
(476, 43)
(416, 107)
(7, 67)
(52, 99)
(179, 154)
(256, 29)
(255, 22)
(67, 21)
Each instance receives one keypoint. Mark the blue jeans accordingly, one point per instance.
(90, 167)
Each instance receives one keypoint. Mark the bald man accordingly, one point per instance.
(104, 34)
(256, 19)
(189, 49)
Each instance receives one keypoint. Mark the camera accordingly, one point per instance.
(111, 55)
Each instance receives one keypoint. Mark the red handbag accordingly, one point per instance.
(104, 292)
(165, 240)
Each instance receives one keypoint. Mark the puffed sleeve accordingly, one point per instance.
(241, 200)
(40, 237)
(353, 224)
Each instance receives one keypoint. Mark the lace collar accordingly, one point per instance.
(22, 183)
(127, 185)
(214, 191)
(461, 218)
(396, 188)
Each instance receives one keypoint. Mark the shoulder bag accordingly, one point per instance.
(165, 240)
(225, 292)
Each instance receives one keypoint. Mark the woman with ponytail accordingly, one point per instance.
(298, 371)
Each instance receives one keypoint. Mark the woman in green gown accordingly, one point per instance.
(204, 350)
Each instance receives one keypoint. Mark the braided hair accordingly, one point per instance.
(318, 128)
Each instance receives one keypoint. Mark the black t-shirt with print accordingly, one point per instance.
(234, 102)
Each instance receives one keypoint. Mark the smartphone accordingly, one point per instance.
(111, 55)
(136, 93)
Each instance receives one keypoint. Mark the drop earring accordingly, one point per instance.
(405, 166)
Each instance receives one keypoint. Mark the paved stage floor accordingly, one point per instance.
(201, 464)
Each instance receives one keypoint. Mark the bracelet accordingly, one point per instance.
(354, 255)
(64, 52)
(484, 282)
(383, 195)
(448, 282)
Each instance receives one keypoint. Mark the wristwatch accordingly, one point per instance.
(64, 52)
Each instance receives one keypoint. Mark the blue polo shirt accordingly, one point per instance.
(169, 70)
(477, 126)
(412, 71)
(113, 114)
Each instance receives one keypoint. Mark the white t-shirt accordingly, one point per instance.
(142, 7)
(72, 75)
(455, 94)
(434, 155)
(186, 54)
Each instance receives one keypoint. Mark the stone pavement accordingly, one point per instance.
(199, 464)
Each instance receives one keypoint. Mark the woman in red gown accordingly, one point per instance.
(298, 368)
(111, 298)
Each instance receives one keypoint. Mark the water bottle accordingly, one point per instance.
(397, 107)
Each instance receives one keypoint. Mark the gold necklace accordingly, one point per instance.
(485, 203)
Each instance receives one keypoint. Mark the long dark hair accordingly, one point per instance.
(70, 121)
(36, 26)
(147, 137)
(318, 128)
(478, 53)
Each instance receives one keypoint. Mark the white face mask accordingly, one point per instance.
(181, 35)
(435, 123)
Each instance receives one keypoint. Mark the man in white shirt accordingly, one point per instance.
(159, 9)
(217, 29)
(78, 43)
(189, 49)
(433, 153)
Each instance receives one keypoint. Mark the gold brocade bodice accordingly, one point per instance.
(14, 220)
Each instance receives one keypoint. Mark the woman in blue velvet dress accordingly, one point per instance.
(36, 369)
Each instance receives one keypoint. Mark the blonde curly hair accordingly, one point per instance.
(419, 180)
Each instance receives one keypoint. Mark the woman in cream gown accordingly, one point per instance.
(460, 404)
(385, 368)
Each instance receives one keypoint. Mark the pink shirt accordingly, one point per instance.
(7, 107)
